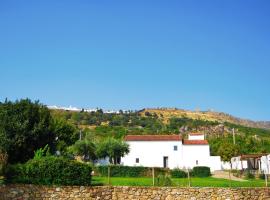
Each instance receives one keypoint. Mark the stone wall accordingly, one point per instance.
(24, 192)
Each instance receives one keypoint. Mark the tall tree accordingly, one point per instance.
(84, 148)
(113, 149)
(24, 128)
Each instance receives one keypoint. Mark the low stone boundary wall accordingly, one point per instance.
(24, 192)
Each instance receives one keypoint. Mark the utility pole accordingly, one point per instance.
(233, 136)
(80, 134)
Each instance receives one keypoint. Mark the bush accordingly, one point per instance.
(121, 171)
(50, 171)
(178, 173)
(163, 180)
(248, 175)
(201, 171)
(262, 176)
(236, 173)
(128, 171)
(3, 162)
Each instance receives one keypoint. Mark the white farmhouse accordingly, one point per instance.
(265, 164)
(170, 151)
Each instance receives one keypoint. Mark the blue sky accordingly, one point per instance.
(136, 54)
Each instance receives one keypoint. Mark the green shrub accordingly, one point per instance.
(178, 173)
(128, 171)
(121, 171)
(50, 171)
(248, 175)
(3, 162)
(163, 180)
(201, 171)
(236, 173)
(262, 176)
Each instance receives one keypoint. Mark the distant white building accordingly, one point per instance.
(256, 162)
(170, 151)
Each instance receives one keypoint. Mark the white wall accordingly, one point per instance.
(196, 137)
(193, 153)
(265, 164)
(238, 164)
(214, 163)
(225, 165)
(151, 153)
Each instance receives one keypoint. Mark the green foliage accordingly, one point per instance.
(122, 171)
(261, 176)
(178, 173)
(129, 171)
(42, 152)
(163, 180)
(65, 133)
(24, 128)
(3, 162)
(227, 151)
(113, 149)
(50, 171)
(84, 148)
(248, 175)
(201, 171)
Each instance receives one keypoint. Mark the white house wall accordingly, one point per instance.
(151, 153)
(265, 164)
(195, 155)
(196, 137)
(214, 163)
(238, 164)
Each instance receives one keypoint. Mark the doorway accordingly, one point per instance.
(165, 162)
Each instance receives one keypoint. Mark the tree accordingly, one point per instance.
(84, 148)
(113, 149)
(66, 134)
(24, 128)
(226, 152)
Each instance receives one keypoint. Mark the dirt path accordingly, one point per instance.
(225, 175)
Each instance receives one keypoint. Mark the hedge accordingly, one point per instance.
(50, 171)
(201, 171)
(128, 171)
(178, 173)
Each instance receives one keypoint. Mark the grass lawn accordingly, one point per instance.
(180, 182)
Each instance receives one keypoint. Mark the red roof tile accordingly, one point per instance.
(153, 138)
(195, 142)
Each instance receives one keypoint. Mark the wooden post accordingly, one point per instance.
(266, 179)
(153, 176)
(188, 178)
(230, 174)
(109, 174)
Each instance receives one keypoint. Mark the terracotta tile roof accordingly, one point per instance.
(153, 138)
(196, 134)
(195, 142)
(246, 156)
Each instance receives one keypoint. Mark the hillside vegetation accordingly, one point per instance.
(166, 113)
(218, 128)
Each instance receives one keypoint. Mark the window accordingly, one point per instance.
(175, 148)
(197, 162)
(137, 160)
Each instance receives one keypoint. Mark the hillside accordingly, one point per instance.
(217, 127)
(166, 113)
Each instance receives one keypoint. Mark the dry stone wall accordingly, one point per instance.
(25, 192)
